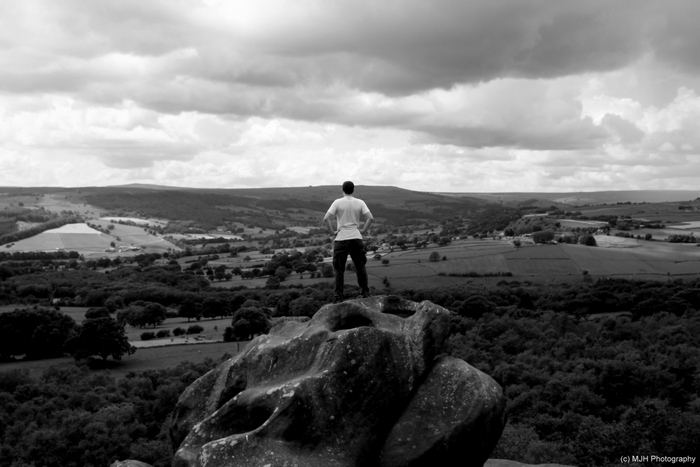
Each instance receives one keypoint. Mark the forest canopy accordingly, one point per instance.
(591, 370)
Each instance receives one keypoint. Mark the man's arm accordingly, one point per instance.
(329, 223)
(368, 221)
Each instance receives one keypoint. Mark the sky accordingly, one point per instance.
(440, 96)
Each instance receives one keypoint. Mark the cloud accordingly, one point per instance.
(625, 131)
(445, 94)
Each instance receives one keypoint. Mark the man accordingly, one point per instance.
(349, 212)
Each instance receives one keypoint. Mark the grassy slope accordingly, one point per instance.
(155, 358)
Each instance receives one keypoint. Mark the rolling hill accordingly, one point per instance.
(274, 209)
(575, 199)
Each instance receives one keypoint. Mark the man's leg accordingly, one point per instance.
(359, 259)
(340, 257)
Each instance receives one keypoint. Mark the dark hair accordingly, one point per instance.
(348, 187)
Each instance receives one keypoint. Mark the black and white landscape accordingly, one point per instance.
(531, 166)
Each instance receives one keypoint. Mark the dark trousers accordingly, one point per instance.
(356, 249)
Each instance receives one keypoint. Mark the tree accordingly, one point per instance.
(103, 337)
(281, 273)
(434, 257)
(154, 313)
(141, 314)
(34, 332)
(253, 321)
(213, 307)
(114, 303)
(303, 306)
(444, 241)
(240, 330)
(475, 306)
(189, 308)
(385, 262)
(327, 270)
(5, 273)
(100, 312)
(588, 240)
(543, 236)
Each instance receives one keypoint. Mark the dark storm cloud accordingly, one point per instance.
(396, 48)
(406, 47)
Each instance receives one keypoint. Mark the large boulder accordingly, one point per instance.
(454, 418)
(129, 463)
(356, 385)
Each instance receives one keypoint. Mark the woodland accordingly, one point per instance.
(592, 370)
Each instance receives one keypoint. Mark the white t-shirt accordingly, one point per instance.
(349, 211)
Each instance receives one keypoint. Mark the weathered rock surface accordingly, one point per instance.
(455, 418)
(355, 385)
(129, 463)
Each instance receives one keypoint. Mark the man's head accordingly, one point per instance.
(348, 187)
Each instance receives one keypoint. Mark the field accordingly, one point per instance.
(68, 201)
(154, 358)
(153, 354)
(70, 237)
(490, 264)
(92, 243)
(614, 257)
(665, 213)
(145, 222)
(691, 225)
(582, 224)
(488, 260)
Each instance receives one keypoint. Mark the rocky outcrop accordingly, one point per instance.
(356, 385)
(451, 419)
(129, 463)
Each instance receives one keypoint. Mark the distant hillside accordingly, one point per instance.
(584, 198)
(272, 207)
(282, 207)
